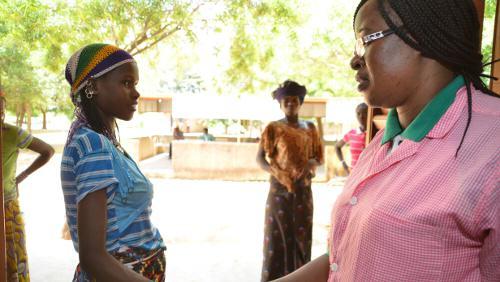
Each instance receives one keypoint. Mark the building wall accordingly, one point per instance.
(234, 161)
(216, 160)
(140, 148)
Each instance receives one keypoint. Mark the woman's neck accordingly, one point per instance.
(424, 93)
(108, 124)
(107, 121)
(292, 120)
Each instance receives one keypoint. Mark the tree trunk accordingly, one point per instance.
(20, 115)
(28, 116)
(44, 120)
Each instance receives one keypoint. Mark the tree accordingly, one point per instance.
(20, 29)
(257, 44)
(135, 25)
(260, 30)
(34, 35)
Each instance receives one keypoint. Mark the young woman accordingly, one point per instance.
(290, 150)
(108, 199)
(356, 138)
(423, 203)
(14, 139)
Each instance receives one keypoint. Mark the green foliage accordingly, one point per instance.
(488, 30)
(257, 44)
(490, 8)
(259, 29)
(36, 39)
(19, 31)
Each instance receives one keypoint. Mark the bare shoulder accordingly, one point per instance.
(309, 124)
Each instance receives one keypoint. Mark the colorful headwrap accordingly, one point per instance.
(92, 61)
(290, 88)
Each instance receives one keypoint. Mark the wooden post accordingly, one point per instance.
(320, 128)
(369, 125)
(3, 253)
(495, 68)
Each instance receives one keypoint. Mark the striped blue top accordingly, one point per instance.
(90, 162)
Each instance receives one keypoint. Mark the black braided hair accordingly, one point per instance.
(290, 88)
(447, 31)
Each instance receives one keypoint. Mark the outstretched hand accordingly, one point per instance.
(346, 167)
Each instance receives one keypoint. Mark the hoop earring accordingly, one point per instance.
(89, 93)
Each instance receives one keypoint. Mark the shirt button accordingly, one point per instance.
(353, 201)
(334, 267)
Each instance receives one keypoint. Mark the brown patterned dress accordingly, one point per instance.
(289, 215)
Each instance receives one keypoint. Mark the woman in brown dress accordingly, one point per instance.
(290, 150)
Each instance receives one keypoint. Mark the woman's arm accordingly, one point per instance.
(317, 158)
(261, 159)
(46, 152)
(338, 150)
(314, 271)
(94, 259)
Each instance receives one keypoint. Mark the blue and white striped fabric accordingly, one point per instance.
(90, 163)
(24, 138)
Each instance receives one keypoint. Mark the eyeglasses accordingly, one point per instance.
(359, 48)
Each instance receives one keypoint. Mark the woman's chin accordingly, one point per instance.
(371, 99)
(127, 117)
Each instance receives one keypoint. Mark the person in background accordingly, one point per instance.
(423, 203)
(290, 150)
(206, 136)
(14, 139)
(108, 199)
(356, 138)
(177, 135)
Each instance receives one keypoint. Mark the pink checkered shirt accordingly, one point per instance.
(420, 214)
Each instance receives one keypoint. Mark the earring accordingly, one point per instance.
(89, 93)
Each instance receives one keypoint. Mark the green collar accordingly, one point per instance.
(426, 119)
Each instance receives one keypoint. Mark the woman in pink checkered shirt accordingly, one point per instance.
(423, 203)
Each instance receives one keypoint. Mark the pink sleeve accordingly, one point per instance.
(347, 136)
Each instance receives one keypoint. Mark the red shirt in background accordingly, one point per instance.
(356, 140)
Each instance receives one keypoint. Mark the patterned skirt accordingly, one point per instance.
(148, 263)
(288, 230)
(17, 257)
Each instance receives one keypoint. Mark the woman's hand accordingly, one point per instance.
(316, 270)
(21, 177)
(282, 177)
(345, 166)
(309, 169)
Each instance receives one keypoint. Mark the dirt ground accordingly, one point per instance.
(213, 229)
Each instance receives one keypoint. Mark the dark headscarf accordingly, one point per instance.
(290, 88)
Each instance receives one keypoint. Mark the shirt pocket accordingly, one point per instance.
(397, 249)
